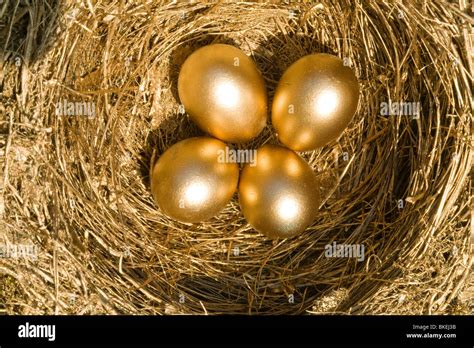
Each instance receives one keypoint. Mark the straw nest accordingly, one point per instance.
(77, 187)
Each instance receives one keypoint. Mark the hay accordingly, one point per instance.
(78, 187)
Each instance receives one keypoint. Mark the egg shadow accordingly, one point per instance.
(170, 131)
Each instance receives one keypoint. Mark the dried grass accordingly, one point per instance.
(79, 189)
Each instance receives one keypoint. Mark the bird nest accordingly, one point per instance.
(89, 92)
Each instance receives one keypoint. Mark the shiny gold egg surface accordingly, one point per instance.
(223, 92)
(279, 195)
(314, 101)
(189, 183)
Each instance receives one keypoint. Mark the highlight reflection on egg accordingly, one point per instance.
(314, 102)
(224, 93)
(189, 183)
(279, 196)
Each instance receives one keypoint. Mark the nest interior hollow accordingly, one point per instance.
(397, 184)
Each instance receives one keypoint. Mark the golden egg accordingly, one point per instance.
(279, 195)
(190, 183)
(314, 101)
(224, 93)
